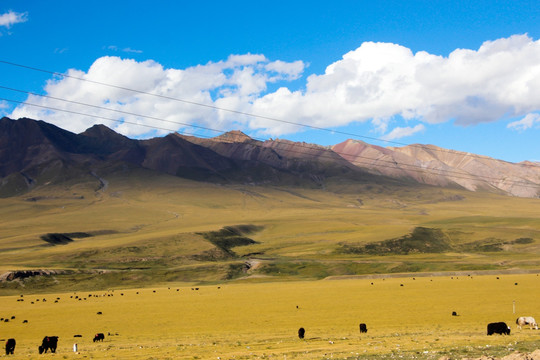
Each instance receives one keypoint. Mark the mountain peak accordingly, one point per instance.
(234, 136)
(29, 146)
(100, 131)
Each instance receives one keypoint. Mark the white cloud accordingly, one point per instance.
(10, 18)
(247, 59)
(4, 105)
(380, 124)
(126, 50)
(401, 132)
(287, 71)
(376, 82)
(4, 108)
(233, 84)
(383, 80)
(130, 50)
(526, 123)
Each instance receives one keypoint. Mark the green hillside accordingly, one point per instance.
(144, 228)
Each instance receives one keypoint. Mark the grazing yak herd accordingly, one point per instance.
(492, 328)
(503, 329)
(48, 343)
(51, 342)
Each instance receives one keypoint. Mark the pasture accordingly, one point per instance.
(144, 230)
(150, 233)
(407, 318)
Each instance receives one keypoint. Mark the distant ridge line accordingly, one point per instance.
(354, 135)
(224, 155)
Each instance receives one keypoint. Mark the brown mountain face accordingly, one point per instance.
(34, 153)
(281, 154)
(429, 164)
(24, 144)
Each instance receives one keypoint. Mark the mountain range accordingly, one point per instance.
(35, 153)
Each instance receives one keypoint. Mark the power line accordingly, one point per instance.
(224, 109)
(409, 167)
(180, 123)
(415, 168)
(89, 115)
(107, 109)
(187, 101)
(412, 167)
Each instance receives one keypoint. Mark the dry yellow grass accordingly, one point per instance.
(302, 230)
(251, 321)
(298, 223)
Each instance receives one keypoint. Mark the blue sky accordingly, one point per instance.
(459, 75)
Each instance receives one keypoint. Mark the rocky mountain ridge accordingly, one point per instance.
(34, 152)
(429, 164)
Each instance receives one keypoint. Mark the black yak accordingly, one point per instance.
(10, 346)
(363, 328)
(498, 328)
(48, 343)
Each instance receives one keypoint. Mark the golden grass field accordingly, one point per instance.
(261, 320)
(147, 236)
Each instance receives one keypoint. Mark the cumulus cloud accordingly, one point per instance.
(10, 18)
(126, 50)
(233, 84)
(401, 132)
(375, 82)
(382, 80)
(286, 70)
(529, 121)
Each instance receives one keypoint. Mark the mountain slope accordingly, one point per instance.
(102, 210)
(308, 161)
(33, 153)
(29, 149)
(429, 164)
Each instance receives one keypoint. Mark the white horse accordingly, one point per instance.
(526, 320)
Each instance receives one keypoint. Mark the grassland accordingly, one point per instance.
(145, 229)
(407, 318)
(258, 252)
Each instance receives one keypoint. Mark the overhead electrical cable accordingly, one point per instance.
(409, 167)
(148, 117)
(109, 109)
(223, 109)
(414, 168)
(83, 114)
(176, 122)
